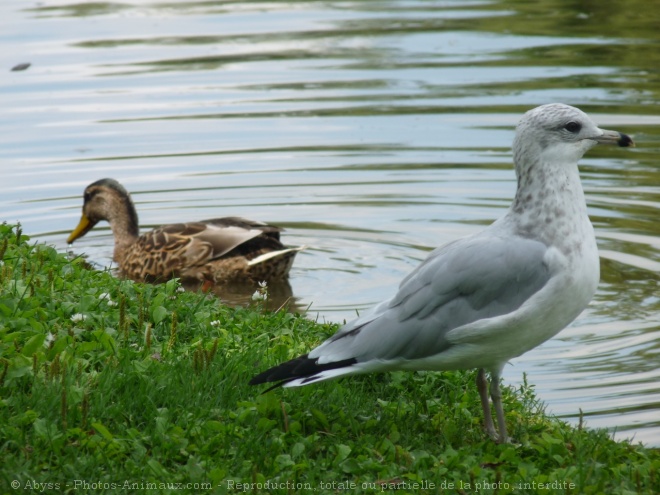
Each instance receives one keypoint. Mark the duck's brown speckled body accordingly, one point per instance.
(217, 251)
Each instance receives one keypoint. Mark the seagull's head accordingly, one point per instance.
(559, 133)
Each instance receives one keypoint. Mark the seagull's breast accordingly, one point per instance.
(567, 294)
(573, 282)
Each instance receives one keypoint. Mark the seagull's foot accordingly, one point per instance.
(503, 439)
(495, 436)
(496, 395)
(490, 429)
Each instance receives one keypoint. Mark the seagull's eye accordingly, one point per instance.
(573, 127)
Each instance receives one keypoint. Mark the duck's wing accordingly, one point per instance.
(196, 243)
(244, 223)
(172, 248)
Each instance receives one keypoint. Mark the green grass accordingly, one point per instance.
(149, 390)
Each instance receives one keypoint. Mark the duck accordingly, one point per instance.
(213, 252)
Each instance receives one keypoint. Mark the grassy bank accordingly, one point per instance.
(107, 386)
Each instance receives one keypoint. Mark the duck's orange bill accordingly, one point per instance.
(83, 226)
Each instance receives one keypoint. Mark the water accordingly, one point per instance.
(372, 131)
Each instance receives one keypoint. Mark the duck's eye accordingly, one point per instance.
(573, 127)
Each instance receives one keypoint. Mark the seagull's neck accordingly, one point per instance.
(550, 206)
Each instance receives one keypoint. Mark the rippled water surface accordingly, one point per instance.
(372, 131)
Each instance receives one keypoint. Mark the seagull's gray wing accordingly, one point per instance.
(467, 280)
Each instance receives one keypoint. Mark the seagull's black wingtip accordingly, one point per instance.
(299, 368)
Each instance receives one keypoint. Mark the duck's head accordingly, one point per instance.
(106, 199)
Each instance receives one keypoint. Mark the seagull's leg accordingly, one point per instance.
(496, 395)
(482, 387)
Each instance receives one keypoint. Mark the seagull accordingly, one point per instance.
(479, 301)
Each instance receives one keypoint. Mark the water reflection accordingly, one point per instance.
(279, 295)
(372, 131)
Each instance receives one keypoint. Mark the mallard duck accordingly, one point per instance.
(216, 251)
